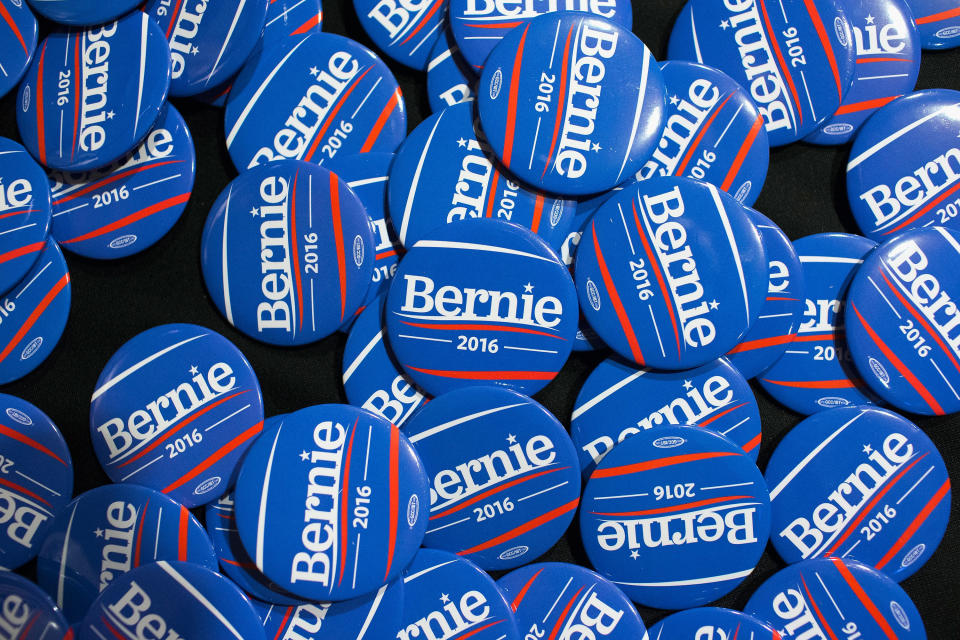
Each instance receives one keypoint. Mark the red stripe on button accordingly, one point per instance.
(424, 20)
(381, 121)
(36, 247)
(35, 315)
(658, 273)
(489, 375)
(561, 95)
(512, 105)
(523, 592)
(927, 207)
(813, 384)
(615, 299)
(146, 212)
(41, 134)
(306, 26)
(136, 548)
(283, 623)
(753, 444)
(720, 415)
(30, 442)
(345, 492)
(742, 154)
(696, 141)
(563, 614)
(865, 599)
(854, 107)
(669, 461)
(673, 508)
(330, 116)
(816, 609)
(222, 452)
(553, 514)
(16, 31)
(916, 524)
(13, 485)
(781, 62)
(338, 241)
(394, 496)
(825, 42)
(182, 534)
(93, 186)
(761, 343)
(294, 250)
(478, 327)
(937, 17)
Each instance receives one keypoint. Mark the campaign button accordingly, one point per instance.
(37, 482)
(26, 612)
(675, 516)
(712, 622)
(108, 531)
(713, 132)
(481, 302)
(901, 173)
(291, 18)
(779, 320)
(82, 12)
(182, 396)
(823, 597)
(33, 314)
(18, 40)
(316, 517)
(126, 207)
(445, 173)
(96, 95)
(671, 255)
(815, 372)
(443, 590)
(405, 30)
(796, 58)
(310, 99)
(24, 213)
(450, 78)
(314, 242)
(479, 26)
(554, 598)
(619, 400)
(938, 22)
(172, 600)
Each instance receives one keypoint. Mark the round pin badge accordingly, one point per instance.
(18, 40)
(310, 99)
(26, 612)
(619, 400)
(900, 174)
(823, 597)
(445, 591)
(481, 302)
(938, 22)
(24, 213)
(126, 207)
(796, 58)
(712, 622)
(317, 517)
(445, 173)
(576, 118)
(713, 132)
(675, 516)
(90, 96)
(450, 78)
(292, 18)
(172, 600)
(82, 12)
(556, 598)
(406, 31)
(816, 372)
(34, 314)
(858, 483)
(174, 409)
(671, 255)
(314, 241)
(109, 531)
(37, 482)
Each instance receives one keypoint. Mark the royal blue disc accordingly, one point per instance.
(109, 531)
(37, 482)
(481, 302)
(174, 409)
(587, 114)
(708, 623)
(795, 57)
(82, 12)
(901, 174)
(34, 314)
(405, 30)
(815, 372)
(27, 613)
(713, 132)
(24, 213)
(671, 255)
(291, 18)
(316, 517)
(91, 95)
(675, 516)
(444, 173)
(829, 596)
(126, 207)
(18, 40)
(311, 98)
(619, 400)
(938, 22)
(450, 78)
(314, 241)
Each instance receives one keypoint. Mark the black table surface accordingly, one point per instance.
(115, 300)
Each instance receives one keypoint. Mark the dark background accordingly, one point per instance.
(113, 301)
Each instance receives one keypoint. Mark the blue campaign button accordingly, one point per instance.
(887, 48)
(479, 25)
(316, 517)
(938, 22)
(779, 320)
(859, 483)
(129, 205)
(451, 594)
(90, 96)
(828, 596)
(108, 531)
(34, 314)
(291, 18)
(675, 516)
(450, 78)
(26, 612)
(671, 255)
(481, 302)
(311, 98)
(571, 103)
(18, 40)
(24, 213)
(174, 409)
(796, 58)
(172, 600)
(38, 479)
(444, 173)
(815, 371)
(405, 30)
(712, 622)
(553, 597)
(900, 174)
(82, 12)
(713, 132)
(314, 241)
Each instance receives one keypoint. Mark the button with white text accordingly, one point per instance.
(450, 78)
(938, 22)
(27, 612)
(82, 12)
(707, 623)
(405, 31)
(24, 213)
(18, 41)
